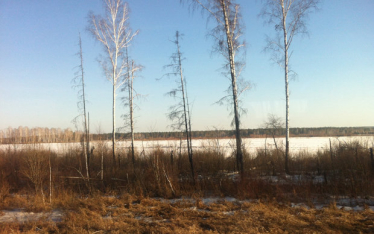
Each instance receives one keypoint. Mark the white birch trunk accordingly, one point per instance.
(239, 154)
(284, 19)
(114, 122)
(113, 32)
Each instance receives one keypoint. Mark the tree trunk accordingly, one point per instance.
(186, 116)
(114, 124)
(286, 88)
(102, 164)
(50, 178)
(85, 137)
(372, 160)
(88, 139)
(130, 82)
(86, 148)
(275, 142)
(331, 155)
(239, 154)
(189, 135)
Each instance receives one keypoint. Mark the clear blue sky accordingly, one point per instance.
(38, 43)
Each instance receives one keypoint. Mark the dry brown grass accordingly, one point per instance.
(346, 170)
(127, 208)
(131, 214)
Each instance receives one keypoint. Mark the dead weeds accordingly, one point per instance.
(130, 214)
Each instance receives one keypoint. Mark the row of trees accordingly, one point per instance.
(25, 135)
(113, 32)
(67, 135)
(267, 129)
(288, 18)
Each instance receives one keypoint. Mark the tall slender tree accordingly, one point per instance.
(130, 86)
(227, 33)
(79, 83)
(128, 100)
(289, 19)
(180, 113)
(113, 33)
(132, 69)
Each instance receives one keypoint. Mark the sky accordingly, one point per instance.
(39, 42)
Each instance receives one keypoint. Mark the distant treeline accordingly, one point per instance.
(248, 133)
(23, 135)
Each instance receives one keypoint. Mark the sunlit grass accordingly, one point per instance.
(125, 198)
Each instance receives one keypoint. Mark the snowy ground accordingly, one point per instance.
(297, 144)
(21, 216)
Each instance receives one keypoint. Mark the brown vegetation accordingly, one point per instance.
(122, 200)
(345, 169)
(133, 214)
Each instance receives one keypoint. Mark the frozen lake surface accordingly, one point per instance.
(226, 146)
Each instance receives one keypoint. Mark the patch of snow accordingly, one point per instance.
(230, 213)
(230, 199)
(21, 216)
(342, 202)
(300, 205)
(205, 201)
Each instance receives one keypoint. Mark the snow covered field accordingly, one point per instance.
(297, 144)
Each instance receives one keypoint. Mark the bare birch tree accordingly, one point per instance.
(180, 113)
(289, 19)
(79, 83)
(227, 33)
(113, 33)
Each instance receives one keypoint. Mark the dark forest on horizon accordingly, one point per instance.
(24, 135)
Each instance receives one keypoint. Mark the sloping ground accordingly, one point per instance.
(130, 214)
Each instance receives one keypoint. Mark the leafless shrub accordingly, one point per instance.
(36, 168)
